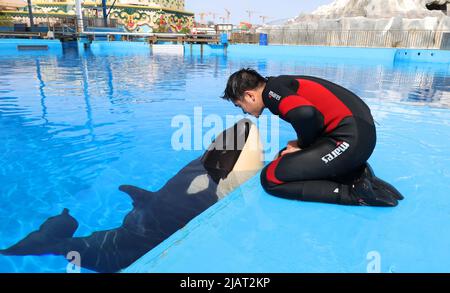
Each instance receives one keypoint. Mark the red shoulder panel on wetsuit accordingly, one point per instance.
(291, 102)
(331, 107)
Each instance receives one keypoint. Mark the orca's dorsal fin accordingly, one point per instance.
(137, 194)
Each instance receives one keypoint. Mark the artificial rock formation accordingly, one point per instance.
(377, 15)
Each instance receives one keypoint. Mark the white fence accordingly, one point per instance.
(419, 39)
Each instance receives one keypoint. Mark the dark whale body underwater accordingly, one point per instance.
(155, 215)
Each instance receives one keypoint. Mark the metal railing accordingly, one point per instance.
(445, 43)
(356, 38)
(244, 38)
(99, 22)
(25, 35)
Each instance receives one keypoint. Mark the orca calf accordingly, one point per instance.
(231, 159)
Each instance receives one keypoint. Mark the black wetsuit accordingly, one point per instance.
(335, 131)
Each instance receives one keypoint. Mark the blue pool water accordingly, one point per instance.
(75, 124)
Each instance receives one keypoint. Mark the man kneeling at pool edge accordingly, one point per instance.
(335, 137)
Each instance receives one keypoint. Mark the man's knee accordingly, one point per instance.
(266, 184)
(277, 190)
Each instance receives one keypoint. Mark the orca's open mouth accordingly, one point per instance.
(223, 153)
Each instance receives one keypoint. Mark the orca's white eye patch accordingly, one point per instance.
(199, 184)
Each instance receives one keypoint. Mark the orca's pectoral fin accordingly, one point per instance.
(42, 241)
(137, 194)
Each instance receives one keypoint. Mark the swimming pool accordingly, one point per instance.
(76, 124)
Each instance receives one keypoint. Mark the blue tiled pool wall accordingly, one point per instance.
(366, 54)
(10, 46)
(416, 55)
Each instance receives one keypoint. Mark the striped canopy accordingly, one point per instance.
(13, 3)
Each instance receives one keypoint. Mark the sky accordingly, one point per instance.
(275, 9)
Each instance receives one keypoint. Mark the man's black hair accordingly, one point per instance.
(241, 81)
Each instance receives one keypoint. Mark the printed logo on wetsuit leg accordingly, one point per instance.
(274, 95)
(342, 146)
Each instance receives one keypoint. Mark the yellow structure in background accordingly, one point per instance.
(132, 15)
(11, 4)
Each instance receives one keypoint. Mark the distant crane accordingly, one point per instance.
(250, 13)
(264, 18)
(228, 13)
(202, 16)
(222, 18)
(213, 14)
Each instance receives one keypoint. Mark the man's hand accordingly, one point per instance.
(291, 147)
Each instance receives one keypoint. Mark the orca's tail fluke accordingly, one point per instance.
(102, 251)
(47, 238)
